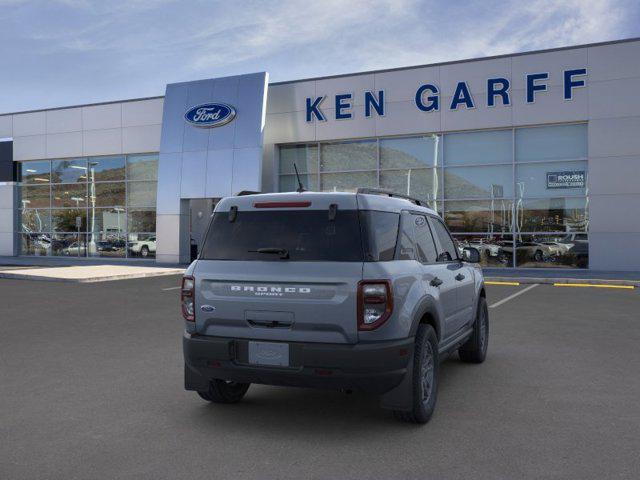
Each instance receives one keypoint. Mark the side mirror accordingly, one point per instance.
(471, 255)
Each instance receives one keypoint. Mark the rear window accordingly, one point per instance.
(305, 235)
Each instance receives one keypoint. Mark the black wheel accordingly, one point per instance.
(425, 377)
(538, 257)
(475, 349)
(144, 251)
(222, 391)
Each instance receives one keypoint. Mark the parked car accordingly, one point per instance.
(105, 246)
(485, 247)
(74, 249)
(572, 239)
(557, 248)
(143, 247)
(349, 291)
(535, 251)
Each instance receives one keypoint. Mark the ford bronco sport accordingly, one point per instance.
(351, 291)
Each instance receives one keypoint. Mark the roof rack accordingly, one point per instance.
(390, 193)
(247, 192)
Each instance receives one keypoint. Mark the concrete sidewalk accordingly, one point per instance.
(562, 276)
(87, 273)
(32, 262)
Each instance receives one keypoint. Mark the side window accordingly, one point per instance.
(447, 251)
(424, 241)
(406, 241)
(380, 234)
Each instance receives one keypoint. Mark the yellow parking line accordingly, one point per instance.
(594, 285)
(514, 284)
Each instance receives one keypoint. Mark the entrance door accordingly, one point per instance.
(200, 211)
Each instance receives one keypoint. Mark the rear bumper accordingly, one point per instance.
(369, 367)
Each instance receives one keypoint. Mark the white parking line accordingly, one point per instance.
(511, 297)
(171, 288)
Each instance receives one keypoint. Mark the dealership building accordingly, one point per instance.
(533, 158)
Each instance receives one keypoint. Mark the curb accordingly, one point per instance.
(126, 276)
(563, 281)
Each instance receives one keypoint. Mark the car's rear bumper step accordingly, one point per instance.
(370, 367)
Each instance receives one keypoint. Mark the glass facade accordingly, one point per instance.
(518, 195)
(95, 206)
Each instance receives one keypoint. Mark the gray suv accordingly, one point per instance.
(351, 291)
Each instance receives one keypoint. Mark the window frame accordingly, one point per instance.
(86, 230)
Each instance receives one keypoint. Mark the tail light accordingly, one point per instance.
(187, 298)
(375, 303)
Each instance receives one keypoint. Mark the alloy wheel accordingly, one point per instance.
(427, 372)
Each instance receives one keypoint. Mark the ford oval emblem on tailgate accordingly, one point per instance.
(207, 308)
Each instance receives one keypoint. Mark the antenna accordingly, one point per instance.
(300, 188)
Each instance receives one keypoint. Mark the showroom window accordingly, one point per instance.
(95, 206)
(518, 195)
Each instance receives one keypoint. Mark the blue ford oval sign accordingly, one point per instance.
(210, 115)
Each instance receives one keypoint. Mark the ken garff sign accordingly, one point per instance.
(210, 115)
(427, 96)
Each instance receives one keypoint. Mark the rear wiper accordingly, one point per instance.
(284, 254)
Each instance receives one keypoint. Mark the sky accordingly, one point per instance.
(68, 52)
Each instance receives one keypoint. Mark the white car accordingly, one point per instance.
(557, 248)
(143, 247)
(490, 249)
(485, 249)
(535, 251)
(74, 250)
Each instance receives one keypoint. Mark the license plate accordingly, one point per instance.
(269, 353)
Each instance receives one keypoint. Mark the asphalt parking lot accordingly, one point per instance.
(91, 388)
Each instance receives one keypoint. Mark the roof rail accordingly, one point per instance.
(390, 193)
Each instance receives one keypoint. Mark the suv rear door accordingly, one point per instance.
(462, 275)
(245, 291)
(438, 278)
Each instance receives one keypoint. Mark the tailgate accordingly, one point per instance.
(281, 301)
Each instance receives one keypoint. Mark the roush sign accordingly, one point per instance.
(568, 179)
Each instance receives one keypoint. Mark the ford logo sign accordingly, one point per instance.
(210, 115)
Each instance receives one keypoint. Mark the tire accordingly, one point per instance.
(221, 391)
(424, 377)
(144, 251)
(475, 349)
(538, 256)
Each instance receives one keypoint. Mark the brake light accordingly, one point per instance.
(375, 303)
(187, 298)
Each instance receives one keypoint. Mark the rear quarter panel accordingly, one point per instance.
(408, 294)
